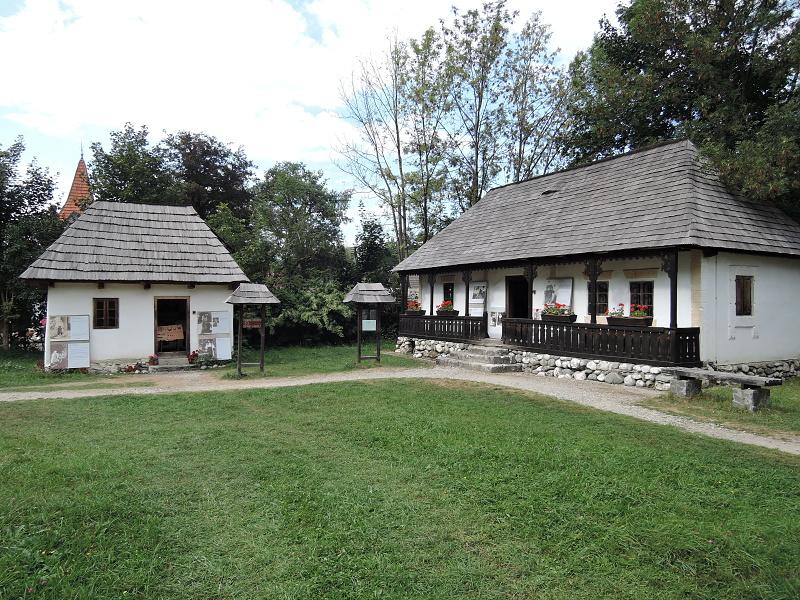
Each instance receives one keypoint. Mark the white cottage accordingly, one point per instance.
(718, 273)
(126, 281)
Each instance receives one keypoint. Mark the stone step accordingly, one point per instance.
(478, 366)
(162, 368)
(470, 356)
(486, 351)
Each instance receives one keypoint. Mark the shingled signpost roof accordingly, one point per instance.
(369, 293)
(78, 192)
(252, 293)
(124, 242)
(657, 197)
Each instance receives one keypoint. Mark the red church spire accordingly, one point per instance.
(79, 192)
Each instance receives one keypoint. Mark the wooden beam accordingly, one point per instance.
(466, 277)
(431, 283)
(593, 272)
(669, 264)
(147, 285)
(101, 285)
(191, 286)
(263, 331)
(531, 270)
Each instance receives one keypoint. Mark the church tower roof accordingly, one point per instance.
(79, 192)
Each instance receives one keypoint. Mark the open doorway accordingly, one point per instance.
(172, 325)
(516, 297)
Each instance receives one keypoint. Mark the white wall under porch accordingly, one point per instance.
(135, 337)
(618, 273)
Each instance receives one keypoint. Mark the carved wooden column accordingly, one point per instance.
(669, 264)
(466, 277)
(403, 292)
(431, 282)
(530, 274)
(593, 272)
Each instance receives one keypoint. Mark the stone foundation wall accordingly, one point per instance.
(566, 367)
(120, 365)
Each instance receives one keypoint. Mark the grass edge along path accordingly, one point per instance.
(384, 488)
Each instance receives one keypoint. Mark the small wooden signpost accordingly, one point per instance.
(369, 298)
(255, 294)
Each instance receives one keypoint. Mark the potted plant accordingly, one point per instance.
(152, 359)
(413, 308)
(558, 312)
(638, 316)
(446, 309)
(193, 356)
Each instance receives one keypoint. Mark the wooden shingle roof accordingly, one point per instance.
(252, 293)
(369, 293)
(117, 241)
(658, 197)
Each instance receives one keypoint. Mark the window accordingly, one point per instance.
(602, 296)
(744, 295)
(106, 313)
(448, 291)
(642, 293)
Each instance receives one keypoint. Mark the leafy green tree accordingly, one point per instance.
(28, 225)
(724, 74)
(133, 170)
(374, 258)
(210, 172)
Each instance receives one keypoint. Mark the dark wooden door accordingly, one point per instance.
(516, 297)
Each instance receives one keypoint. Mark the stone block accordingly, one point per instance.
(685, 387)
(614, 378)
(580, 375)
(629, 380)
(751, 399)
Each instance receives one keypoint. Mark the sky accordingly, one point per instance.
(261, 74)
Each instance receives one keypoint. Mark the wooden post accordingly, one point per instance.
(239, 343)
(358, 329)
(669, 264)
(530, 275)
(378, 332)
(403, 292)
(431, 282)
(263, 331)
(466, 277)
(593, 271)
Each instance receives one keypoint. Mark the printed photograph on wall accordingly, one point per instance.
(496, 318)
(58, 327)
(213, 322)
(558, 291)
(477, 291)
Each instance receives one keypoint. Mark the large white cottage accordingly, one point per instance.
(127, 281)
(718, 274)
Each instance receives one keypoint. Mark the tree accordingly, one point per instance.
(373, 257)
(210, 172)
(28, 225)
(133, 170)
(718, 72)
(533, 95)
(374, 102)
(475, 44)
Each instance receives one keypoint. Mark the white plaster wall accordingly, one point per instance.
(773, 332)
(613, 272)
(134, 339)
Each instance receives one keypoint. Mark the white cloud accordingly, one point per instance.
(262, 74)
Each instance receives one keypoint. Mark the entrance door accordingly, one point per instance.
(172, 325)
(516, 297)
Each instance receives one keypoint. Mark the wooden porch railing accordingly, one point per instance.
(653, 345)
(449, 329)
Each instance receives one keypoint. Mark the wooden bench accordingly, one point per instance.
(753, 393)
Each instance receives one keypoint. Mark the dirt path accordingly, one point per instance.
(616, 399)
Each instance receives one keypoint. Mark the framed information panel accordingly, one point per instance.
(69, 341)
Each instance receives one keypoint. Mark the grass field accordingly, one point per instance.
(714, 404)
(18, 369)
(383, 489)
(294, 361)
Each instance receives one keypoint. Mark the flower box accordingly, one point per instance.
(447, 313)
(559, 318)
(629, 321)
(415, 313)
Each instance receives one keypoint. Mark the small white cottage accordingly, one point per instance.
(711, 276)
(127, 281)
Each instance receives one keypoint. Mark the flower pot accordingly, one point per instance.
(630, 321)
(447, 313)
(415, 313)
(560, 318)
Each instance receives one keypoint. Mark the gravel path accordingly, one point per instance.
(616, 399)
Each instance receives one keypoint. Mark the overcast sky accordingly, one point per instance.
(263, 74)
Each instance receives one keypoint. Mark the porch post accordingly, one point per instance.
(466, 277)
(530, 275)
(431, 282)
(593, 271)
(669, 264)
(403, 292)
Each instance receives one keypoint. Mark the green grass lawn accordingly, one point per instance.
(715, 404)
(383, 489)
(293, 361)
(18, 369)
